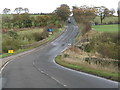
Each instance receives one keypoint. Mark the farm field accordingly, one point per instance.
(106, 28)
(107, 20)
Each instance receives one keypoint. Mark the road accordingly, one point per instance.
(38, 69)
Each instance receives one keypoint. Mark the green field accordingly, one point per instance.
(107, 20)
(106, 28)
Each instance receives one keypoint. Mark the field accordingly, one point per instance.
(106, 28)
(107, 20)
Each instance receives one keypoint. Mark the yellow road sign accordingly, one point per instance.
(10, 51)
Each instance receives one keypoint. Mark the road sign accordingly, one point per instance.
(50, 30)
(10, 51)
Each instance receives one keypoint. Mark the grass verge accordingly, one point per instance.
(108, 75)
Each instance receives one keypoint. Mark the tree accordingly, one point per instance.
(26, 10)
(17, 21)
(84, 15)
(112, 11)
(6, 11)
(22, 20)
(18, 10)
(6, 21)
(103, 12)
(26, 20)
(118, 9)
(63, 12)
(42, 20)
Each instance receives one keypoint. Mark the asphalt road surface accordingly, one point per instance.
(38, 69)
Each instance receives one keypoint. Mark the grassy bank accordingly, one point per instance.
(105, 41)
(14, 40)
(82, 68)
(31, 40)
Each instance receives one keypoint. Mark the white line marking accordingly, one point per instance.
(42, 71)
(58, 81)
(5, 66)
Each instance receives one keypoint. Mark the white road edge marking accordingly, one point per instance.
(49, 76)
(4, 66)
(58, 81)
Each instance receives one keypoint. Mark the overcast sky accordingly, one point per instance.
(47, 6)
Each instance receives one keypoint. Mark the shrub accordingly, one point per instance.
(12, 34)
(106, 44)
(66, 55)
(37, 36)
(10, 43)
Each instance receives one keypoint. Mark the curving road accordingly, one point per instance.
(38, 69)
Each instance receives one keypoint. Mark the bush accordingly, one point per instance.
(106, 44)
(45, 33)
(37, 36)
(10, 43)
(85, 28)
(66, 55)
(109, 50)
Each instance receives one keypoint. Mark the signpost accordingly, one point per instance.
(50, 31)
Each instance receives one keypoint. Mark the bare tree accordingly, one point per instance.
(18, 10)
(26, 10)
(112, 11)
(6, 11)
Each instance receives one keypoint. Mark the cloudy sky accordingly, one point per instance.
(46, 6)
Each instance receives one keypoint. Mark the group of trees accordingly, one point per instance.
(86, 15)
(6, 11)
(101, 11)
(17, 10)
(104, 12)
(83, 14)
(25, 20)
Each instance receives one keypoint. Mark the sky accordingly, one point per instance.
(47, 6)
